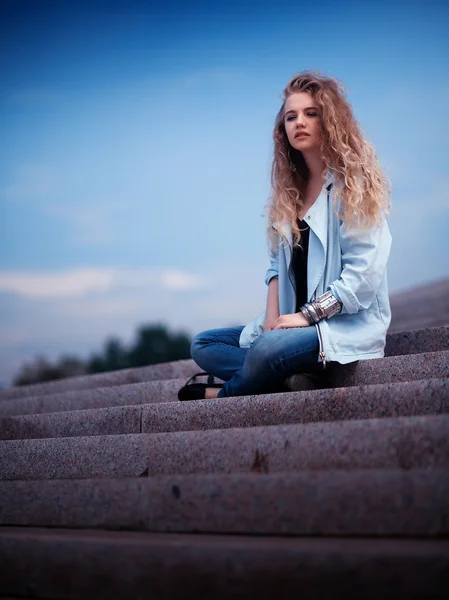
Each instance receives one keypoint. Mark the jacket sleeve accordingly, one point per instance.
(364, 256)
(273, 269)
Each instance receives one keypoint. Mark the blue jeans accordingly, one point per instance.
(262, 368)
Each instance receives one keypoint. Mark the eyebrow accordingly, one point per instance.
(307, 108)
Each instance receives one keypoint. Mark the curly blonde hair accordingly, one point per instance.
(364, 189)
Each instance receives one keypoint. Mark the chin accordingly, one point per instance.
(301, 144)
(309, 147)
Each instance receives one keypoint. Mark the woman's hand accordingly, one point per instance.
(294, 320)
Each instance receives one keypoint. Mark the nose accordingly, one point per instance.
(300, 122)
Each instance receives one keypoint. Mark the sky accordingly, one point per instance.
(136, 146)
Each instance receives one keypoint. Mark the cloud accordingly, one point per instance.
(76, 282)
(178, 281)
(75, 311)
(83, 282)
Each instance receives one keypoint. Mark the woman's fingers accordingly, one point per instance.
(285, 321)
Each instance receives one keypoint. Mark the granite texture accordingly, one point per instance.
(427, 365)
(417, 341)
(402, 342)
(75, 458)
(405, 442)
(359, 402)
(334, 465)
(120, 395)
(335, 502)
(365, 372)
(170, 370)
(423, 306)
(77, 423)
(107, 565)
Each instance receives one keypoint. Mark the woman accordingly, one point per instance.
(329, 245)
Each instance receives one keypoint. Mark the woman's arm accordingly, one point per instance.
(273, 269)
(272, 312)
(364, 256)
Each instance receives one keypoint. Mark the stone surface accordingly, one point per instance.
(417, 341)
(170, 370)
(77, 423)
(404, 442)
(399, 341)
(427, 365)
(359, 402)
(69, 564)
(81, 457)
(358, 460)
(135, 393)
(395, 368)
(426, 305)
(370, 503)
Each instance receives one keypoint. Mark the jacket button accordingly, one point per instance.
(308, 217)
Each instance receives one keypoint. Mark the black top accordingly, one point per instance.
(298, 265)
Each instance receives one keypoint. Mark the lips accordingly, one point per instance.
(301, 135)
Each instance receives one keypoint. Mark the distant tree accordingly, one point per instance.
(114, 357)
(153, 344)
(42, 370)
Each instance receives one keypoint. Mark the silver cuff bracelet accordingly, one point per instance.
(307, 314)
(324, 307)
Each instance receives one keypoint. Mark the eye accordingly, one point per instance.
(290, 117)
(312, 114)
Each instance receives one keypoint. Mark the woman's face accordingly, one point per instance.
(302, 116)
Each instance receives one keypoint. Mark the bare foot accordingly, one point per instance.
(211, 393)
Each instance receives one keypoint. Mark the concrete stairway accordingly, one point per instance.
(111, 488)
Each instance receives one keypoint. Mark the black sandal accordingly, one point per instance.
(197, 391)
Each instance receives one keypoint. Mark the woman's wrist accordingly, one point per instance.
(323, 307)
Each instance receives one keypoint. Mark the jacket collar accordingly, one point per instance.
(315, 215)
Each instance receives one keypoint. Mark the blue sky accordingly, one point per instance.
(136, 148)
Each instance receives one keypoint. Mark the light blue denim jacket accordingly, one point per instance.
(352, 265)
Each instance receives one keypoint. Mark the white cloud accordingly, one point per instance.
(76, 282)
(179, 281)
(82, 282)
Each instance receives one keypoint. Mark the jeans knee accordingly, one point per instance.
(199, 341)
(261, 352)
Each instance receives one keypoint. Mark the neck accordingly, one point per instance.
(315, 165)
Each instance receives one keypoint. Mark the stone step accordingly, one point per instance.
(423, 306)
(417, 341)
(165, 390)
(427, 365)
(432, 339)
(392, 502)
(360, 402)
(170, 370)
(101, 565)
(382, 370)
(402, 442)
